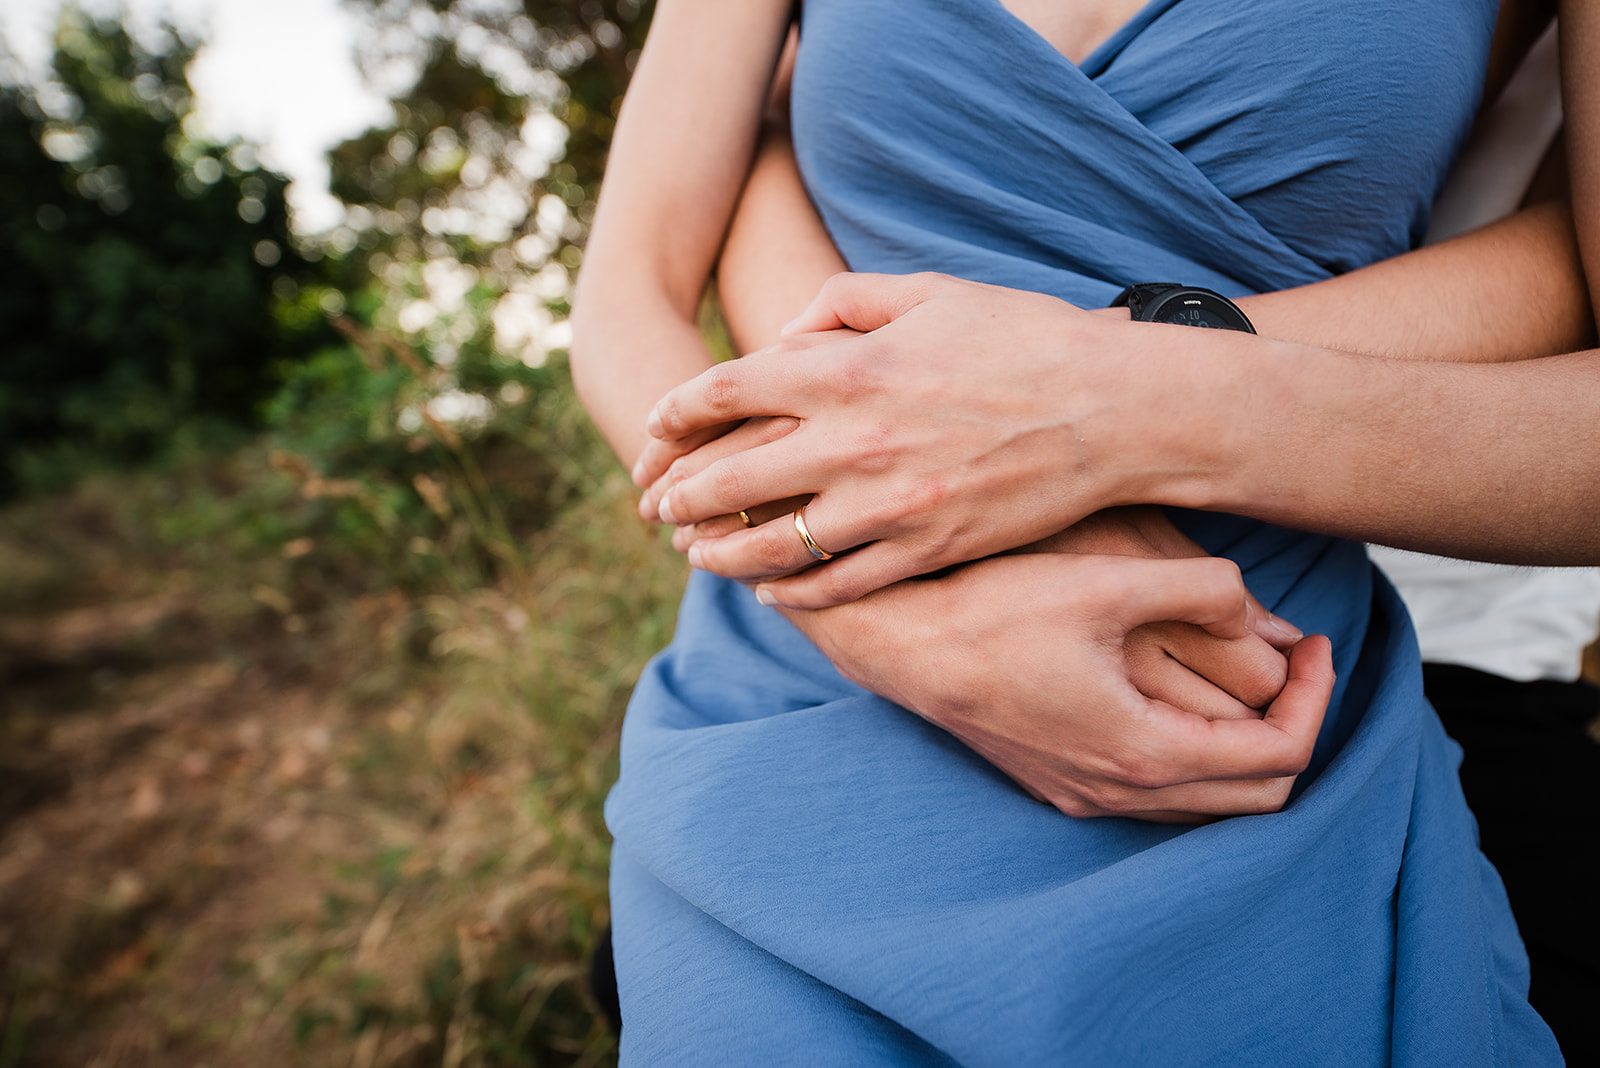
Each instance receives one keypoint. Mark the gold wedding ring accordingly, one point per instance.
(805, 535)
(744, 517)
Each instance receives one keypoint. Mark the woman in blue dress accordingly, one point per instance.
(806, 873)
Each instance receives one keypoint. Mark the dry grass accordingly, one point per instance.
(249, 816)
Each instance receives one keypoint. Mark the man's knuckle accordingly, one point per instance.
(854, 376)
(1275, 795)
(1292, 758)
(1134, 766)
(727, 481)
(1076, 807)
(670, 412)
(773, 557)
(1300, 758)
(1223, 574)
(1148, 776)
(1110, 798)
(679, 469)
(925, 498)
(721, 392)
(836, 586)
(871, 450)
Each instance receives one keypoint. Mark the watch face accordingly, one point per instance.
(1199, 309)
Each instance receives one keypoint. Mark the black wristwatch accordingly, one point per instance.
(1168, 302)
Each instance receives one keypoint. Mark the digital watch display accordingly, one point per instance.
(1180, 305)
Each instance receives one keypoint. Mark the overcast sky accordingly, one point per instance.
(279, 73)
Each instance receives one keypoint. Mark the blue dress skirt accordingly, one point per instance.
(806, 874)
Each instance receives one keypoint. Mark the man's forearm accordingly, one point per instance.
(1509, 291)
(1580, 98)
(778, 253)
(1491, 462)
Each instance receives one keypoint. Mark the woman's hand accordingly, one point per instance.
(972, 419)
(1027, 659)
(1175, 662)
(1179, 663)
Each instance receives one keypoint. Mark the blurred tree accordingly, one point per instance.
(474, 203)
(464, 217)
(142, 266)
(508, 63)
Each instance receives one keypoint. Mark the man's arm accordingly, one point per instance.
(1580, 92)
(1510, 291)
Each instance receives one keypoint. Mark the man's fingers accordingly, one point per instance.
(863, 301)
(752, 434)
(1188, 803)
(659, 454)
(775, 380)
(669, 458)
(750, 477)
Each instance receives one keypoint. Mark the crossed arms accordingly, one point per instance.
(1158, 718)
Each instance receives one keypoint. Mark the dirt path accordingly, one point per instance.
(230, 841)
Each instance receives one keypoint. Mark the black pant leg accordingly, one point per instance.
(1531, 773)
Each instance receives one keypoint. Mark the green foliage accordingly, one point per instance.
(427, 534)
(139, 297)
(450, 498)
(582, 55)
(496, 151)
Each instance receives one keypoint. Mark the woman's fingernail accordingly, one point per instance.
(646, 512)
(664, 509)
(637, 474)
(790, 325)
(694, 556)
(764, 595)
(652, 425)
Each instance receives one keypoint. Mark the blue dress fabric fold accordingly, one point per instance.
(806, 874)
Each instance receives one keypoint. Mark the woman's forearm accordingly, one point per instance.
(678, 160)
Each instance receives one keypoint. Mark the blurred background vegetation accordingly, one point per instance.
(319, 598)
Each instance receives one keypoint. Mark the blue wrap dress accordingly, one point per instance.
(806, 874)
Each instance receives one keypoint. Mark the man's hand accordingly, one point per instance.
(967, 421)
